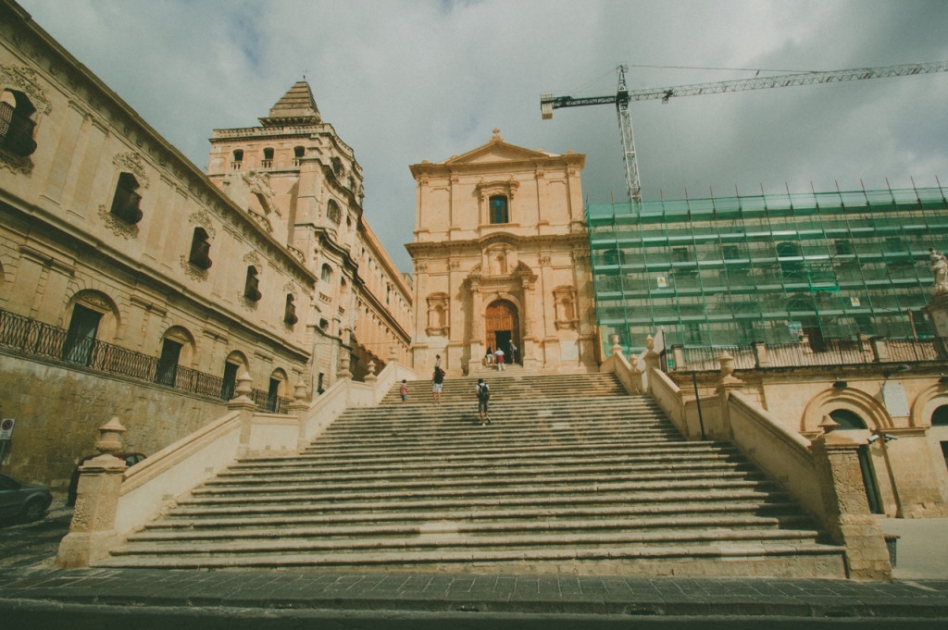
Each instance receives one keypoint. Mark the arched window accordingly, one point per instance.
(16, 123)
(176, 345)
(200, 249)
(93, 316)
(940, 417)
(337, 168)
(126, 199)
(498, 212)
(252, 285)
(333, 213)
(276, 390)
(289, 312)
(325, 274)
(848, 420)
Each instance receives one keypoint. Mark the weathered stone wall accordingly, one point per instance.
(59, 409)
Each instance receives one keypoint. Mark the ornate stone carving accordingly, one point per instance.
(24, 79)
(252, 258)
(118, 227)
(193, 272)
(439, 324)
(247, 303)
(132, 162)
(939, 267)
(564, 299)
(202, 218)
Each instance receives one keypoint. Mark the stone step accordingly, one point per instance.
(197, 518)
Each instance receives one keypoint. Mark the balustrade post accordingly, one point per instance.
(761, 358)
(299, 408)
(678, 354)
(92, 529)
(880, 349)
(246, 407)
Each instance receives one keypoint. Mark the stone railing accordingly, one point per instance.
(832, 352)
(113, 500)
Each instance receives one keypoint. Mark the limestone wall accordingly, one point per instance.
(58, 411)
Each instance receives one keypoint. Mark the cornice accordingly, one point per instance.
(576, 238)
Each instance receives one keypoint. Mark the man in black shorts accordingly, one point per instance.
(483, 395)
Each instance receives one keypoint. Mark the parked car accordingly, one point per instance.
(23, 501)
(130, 459)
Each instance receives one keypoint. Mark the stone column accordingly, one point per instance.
(246, 407)
(298, 408)
(846, 515)
(92, 530)
(529, 349)
(477, 331)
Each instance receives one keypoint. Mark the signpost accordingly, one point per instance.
(6, 432)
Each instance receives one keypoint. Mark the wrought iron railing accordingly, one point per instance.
(35, 338)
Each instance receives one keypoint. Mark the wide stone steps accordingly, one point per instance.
(572, 475)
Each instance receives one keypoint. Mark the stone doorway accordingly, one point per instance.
(502, 325)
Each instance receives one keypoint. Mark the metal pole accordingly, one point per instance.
(694, 381)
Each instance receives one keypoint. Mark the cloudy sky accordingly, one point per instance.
(409, 80)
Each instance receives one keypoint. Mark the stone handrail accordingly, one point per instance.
(630, 378)
(669, 397)
(149, 487)
(783, 454)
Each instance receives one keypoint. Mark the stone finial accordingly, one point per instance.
(650, 343)
(616, 347)
(726, 361)
(299, 390)
(110, 436)
(828, 424)
(244, 385)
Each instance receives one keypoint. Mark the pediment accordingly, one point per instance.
(496, 151)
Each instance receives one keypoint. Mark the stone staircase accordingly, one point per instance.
(572, 476)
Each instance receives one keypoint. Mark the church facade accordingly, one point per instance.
(501, 257)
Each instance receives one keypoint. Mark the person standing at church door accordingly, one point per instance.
(513, 351)
(500, 359)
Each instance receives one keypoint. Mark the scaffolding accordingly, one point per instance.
(727, 271)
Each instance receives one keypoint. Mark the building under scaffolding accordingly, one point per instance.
(774, 268)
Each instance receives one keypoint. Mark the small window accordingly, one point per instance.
(613, 257)
(337, 167)
(267, 158)
(681, 254)
(324, 324)
(126, 199)
(168, 362)
(498, 209)
(229, 380)
(80, 338)
(940, 417)
(16, 123)
(200, 249)
(252, 285)
(333, 213)
(326, 274)
(731, 252)
(298, 152)
(289, 313)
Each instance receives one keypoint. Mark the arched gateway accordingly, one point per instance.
(502, 325)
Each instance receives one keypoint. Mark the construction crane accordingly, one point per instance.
(623, 97)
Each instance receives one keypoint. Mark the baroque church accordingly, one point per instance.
(501, 257)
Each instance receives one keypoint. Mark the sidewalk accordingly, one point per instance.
(31, 588)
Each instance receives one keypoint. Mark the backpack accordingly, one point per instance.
(483, 391)
(438, 374)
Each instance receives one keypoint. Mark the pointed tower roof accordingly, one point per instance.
(296, 107)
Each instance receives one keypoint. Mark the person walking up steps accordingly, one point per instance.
(500, 360)
(483, 395)
(437, 380)
(403, 391)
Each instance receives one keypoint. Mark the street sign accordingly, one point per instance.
(6, 428)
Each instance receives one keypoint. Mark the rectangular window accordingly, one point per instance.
(229, 381)
(80, 339)
(498, 209)
(168, 363)
(680, 254)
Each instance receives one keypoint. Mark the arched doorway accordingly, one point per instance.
(502, 325)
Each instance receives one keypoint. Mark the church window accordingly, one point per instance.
(16, 123)
(333, 213)
(681, 254)
(289, 313)
(252, 285)
(940, 417)
(238, 158)
(126, 199)
(267, 158)
(200, 249)
(326, 274)
(847, 420)
(337, 168)
(498, 209)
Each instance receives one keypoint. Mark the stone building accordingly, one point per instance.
(501, 255)
(131, 285)
(301, 183)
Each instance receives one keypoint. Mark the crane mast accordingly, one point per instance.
(623, 97)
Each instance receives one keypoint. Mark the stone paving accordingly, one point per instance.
(30, 582)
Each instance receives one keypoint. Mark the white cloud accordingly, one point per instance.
(402, 81)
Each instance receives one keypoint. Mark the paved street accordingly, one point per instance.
(33, 594)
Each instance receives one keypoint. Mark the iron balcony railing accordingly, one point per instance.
(35, 338)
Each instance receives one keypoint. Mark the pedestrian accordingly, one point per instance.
(489, 357)
(500, 360)
(437, 381)
(513, 351)
(403, 390)
(483, 395)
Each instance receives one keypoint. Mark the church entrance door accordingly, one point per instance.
(503, 326)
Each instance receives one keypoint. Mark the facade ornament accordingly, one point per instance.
(939, 267)
(202, 218)
(252, 258)
(24, 79)
(132, 163)
(193, 272)
(118, 227)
